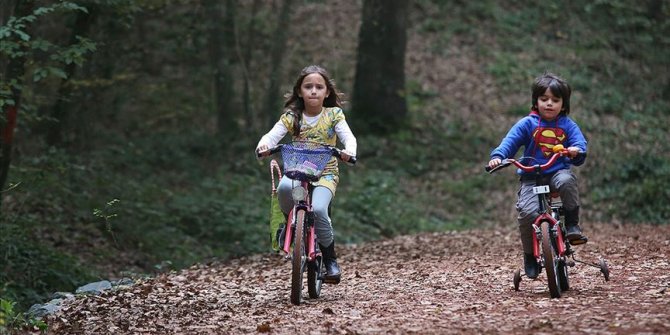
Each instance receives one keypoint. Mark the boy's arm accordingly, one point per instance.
(576, 139)
(514, 139)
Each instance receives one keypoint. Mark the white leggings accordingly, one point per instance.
(321, 197)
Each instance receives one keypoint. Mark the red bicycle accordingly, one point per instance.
(303, 163)
(550, 248)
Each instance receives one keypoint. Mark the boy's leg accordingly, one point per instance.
(566, 183)
(321, 198)
(527, 206)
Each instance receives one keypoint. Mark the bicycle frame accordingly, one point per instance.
(300, 233)
(546, 212)
(307, 206)
(549, 245)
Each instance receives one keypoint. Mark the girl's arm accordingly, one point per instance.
(272, 138)
(346, 137)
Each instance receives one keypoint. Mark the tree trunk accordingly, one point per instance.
(655, 9)
(60, 109)
(272, 103)
(378, 102)
(15, 71)
(221, 54)
(246, 62)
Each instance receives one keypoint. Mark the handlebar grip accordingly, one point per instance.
(338, 153)
(269, 152)
(504, 163)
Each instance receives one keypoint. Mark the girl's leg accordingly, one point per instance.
(284, 193)
(321, 198)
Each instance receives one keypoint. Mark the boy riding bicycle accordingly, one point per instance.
(547, 125)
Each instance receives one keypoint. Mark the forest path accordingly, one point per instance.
(434, 283)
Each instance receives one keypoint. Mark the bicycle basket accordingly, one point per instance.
(305, 160)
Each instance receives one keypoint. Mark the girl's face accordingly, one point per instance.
(313, 91)
(549, 105)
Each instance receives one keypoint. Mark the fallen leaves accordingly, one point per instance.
(433, 283)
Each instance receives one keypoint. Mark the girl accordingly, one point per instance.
(313, 112)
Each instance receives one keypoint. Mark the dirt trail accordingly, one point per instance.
(441, 283)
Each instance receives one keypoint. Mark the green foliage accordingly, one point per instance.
(32, 269)
(12, 321)
(16, 41)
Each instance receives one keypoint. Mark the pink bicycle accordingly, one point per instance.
(303, 162)
(550, 247)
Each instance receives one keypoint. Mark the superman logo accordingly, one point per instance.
(547, 138)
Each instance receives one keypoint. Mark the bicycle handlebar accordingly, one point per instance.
(335, 152)
(531, 168)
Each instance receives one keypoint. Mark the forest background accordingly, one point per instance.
(135, 121)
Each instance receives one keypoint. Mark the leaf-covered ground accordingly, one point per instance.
(439, 283)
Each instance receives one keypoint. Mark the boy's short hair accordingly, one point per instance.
(558, 86)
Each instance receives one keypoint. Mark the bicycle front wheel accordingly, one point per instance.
(299, 258)
(550, 260)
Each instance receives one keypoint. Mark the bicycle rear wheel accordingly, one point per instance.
(563, 278)
(299, 258)
(550, 260)
(315, 277)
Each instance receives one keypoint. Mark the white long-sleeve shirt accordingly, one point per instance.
(342, 130)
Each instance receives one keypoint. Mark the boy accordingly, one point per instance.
(547, 125)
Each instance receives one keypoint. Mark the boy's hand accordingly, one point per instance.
(573, 152)
(494, 162)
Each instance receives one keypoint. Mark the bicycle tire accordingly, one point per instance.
(563, 277)
(315, 277)
(298, 260)
(550, 261)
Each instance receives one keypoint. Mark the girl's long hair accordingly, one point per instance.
(296, 105)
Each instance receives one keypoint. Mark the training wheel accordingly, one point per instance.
(517, 279)
(604, 269)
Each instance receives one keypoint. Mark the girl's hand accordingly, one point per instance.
(262, 149)
(494, 162)
(344, 156)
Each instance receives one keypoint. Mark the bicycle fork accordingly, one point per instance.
(555, 232)
(308, 223)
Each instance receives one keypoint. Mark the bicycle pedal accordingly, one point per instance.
(331, 280)
(579, 241)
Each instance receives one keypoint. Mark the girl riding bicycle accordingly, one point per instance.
(547, 125)
(313, 112)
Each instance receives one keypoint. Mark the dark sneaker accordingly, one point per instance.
(530, 266)
(574, 235)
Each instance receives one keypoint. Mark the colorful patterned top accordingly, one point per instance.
(323, 128)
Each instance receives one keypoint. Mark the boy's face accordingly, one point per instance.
(549, 105)
(313, 90)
